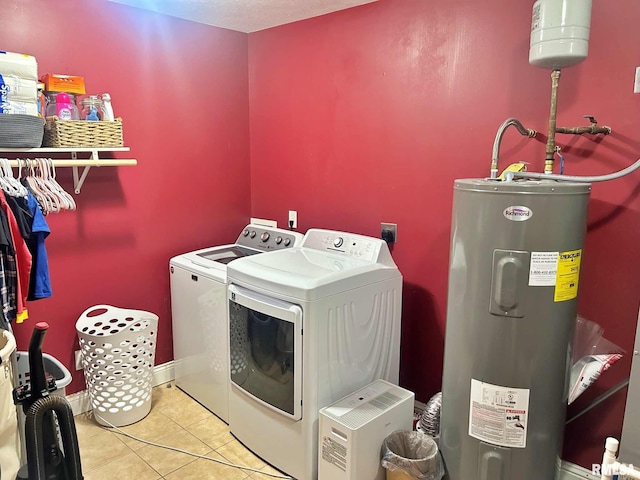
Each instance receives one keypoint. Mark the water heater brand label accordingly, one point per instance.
(517, 213)
(499, 415)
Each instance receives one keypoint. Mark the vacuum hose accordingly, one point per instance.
(40, 448)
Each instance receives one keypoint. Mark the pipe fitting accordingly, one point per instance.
(593, 129)
(527, 132)
(551, 139)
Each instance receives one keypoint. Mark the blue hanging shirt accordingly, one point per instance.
(39, 283)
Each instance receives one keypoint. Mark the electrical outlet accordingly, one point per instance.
(389, 232)
(78, 359)
(293, 219)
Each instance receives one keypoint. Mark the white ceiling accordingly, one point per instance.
(244, 15)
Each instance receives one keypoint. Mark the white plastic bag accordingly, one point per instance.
(413, 453)
(592, 355)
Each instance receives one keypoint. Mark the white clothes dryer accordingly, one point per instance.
(199, 313)
(312, 324)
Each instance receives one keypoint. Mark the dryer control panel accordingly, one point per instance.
(348, 244)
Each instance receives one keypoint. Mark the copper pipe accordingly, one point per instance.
(551, 140)
(593, 129)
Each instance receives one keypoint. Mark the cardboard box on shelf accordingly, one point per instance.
(64, 83)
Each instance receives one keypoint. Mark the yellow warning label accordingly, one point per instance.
(567, 276)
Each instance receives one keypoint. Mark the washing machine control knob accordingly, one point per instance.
(338, 242)
(253, 234)
(287, 242)
(278, 240)
(245, 232)
(265, 236)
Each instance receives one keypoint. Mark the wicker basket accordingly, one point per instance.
(82, 133)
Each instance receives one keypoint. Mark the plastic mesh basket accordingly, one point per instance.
(118, 352)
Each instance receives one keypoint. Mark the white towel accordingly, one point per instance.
(17, 89)
(18, 64)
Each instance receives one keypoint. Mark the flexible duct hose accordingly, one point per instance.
(38, 436)
(430, 420)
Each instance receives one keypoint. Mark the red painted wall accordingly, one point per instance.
(369, 114)
(181, 89)
(358, 117)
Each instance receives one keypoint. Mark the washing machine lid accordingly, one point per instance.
(224, 255)
(213, 261)
(204, 261)
(318, 268)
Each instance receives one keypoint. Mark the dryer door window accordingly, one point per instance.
(266, 350)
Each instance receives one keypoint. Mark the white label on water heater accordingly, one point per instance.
(498, 415)
(544, 269)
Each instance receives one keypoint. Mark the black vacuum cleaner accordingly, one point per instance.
(51, 440)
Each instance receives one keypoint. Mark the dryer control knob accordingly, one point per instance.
(287, 242)
(338, 242)
(253, 234)
(264, 237)
(245, 232)
(278, 240)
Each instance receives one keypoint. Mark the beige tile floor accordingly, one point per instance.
(175, 420)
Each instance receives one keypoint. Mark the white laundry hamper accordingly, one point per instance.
(9, 435)
(118, 350)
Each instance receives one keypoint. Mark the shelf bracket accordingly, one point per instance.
(78, 180)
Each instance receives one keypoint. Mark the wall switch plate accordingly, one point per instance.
(636, 84)
(264, 222)
(389, 232)
(78, 359)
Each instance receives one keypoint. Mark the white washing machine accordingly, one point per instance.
(199, 313)
(311, 325)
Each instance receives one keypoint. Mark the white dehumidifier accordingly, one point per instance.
(351, 431)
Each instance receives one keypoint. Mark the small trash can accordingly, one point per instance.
(411, 455)
(118, 351)
(53, 367)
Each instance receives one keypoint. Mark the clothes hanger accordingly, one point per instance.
(41, 195)
(70, 203)
(61, 202)
(26, 164)
(54, 201)
(4, 184)
(17, 189)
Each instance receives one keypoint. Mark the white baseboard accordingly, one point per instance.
(80, 403)
(571, 471)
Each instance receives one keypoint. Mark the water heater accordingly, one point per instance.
(559, 33)
(516, 250)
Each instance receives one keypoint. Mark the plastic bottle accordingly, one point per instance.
(64, 106)
(107, 109)
(41, 100)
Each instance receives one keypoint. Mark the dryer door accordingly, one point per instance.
(266, 350)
